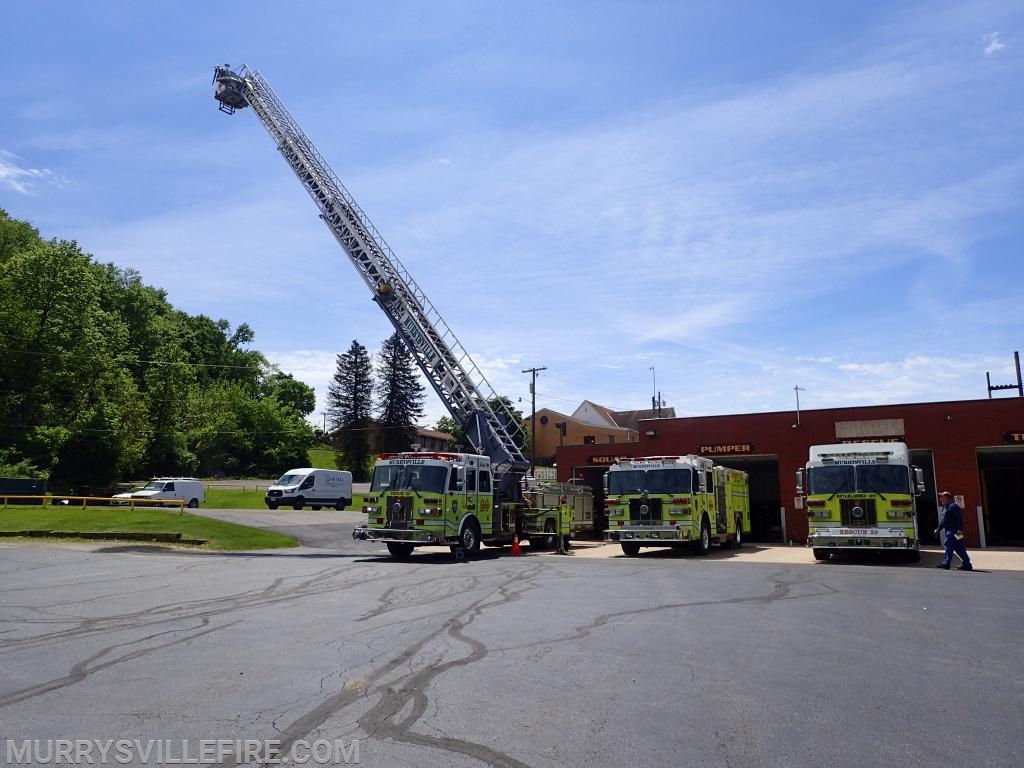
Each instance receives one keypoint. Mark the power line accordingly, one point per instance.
(126, 360)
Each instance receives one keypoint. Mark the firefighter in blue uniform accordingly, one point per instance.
(953, 523)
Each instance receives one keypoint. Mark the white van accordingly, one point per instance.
(315, 487)
(186, 489)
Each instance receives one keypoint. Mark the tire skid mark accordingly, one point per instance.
(201, 610)
(317, 584)
(780, 591)
(90, 666)
(391, 599)
(411, 696)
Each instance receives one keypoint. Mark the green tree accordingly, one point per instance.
(218, 354)
(349, 407)
(448, 425)
(169, 383)
(290, 392)
(63, 394)
(237, 434)
(399, 397)
(16, 236)
(101, 378)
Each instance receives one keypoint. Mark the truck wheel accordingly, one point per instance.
(821, 554)
(630, 548)
(703, 545)
(739, 534)
(399, 549)
(271, 506)
(913, 556)
(469, 538)
(299, 503)
(340, 505)
(193, 503)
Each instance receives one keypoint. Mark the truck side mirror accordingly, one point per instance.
(918, 481)
(799, 481)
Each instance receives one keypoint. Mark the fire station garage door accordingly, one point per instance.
(1001, 473)
(765, 521)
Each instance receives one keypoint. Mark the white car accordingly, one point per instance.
(186, 489)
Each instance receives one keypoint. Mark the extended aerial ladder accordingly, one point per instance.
(443, 360)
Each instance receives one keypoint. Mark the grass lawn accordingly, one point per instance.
(322, 457)
(230, 498)
(234, 498)
(218, 534)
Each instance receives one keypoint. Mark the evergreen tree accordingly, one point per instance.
(399, 397)
(349, 406)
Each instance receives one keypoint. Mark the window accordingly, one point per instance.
(674, 480)
(589, 440)
(485, 482)
(836, 478)
(471, 480)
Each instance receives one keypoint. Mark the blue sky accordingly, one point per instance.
(744, 197)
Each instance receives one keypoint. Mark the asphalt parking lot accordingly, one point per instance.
(761, 657)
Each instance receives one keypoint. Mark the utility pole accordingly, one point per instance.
(798, 389)
(533, 415)
(654, 393)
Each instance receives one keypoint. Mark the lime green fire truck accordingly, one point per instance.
(861, 497)
(675, 501)
(448, 499)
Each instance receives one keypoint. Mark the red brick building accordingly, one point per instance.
(972, 448)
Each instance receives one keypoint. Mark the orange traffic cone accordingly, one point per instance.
(516, 549)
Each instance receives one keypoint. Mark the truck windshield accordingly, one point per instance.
(883, 478)
(668, 481)
(289, 480)
(626, 481)
(417, 477)
(859, 478)
(671, 480)
(153, 485)
(831, 479)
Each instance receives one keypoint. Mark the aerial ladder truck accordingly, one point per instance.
(404, 514)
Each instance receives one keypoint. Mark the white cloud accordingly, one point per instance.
(14, 175)
(992, 43)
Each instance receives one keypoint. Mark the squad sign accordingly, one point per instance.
(1013, 438)
(604, 460)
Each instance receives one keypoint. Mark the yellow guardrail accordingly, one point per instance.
(83, 501)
